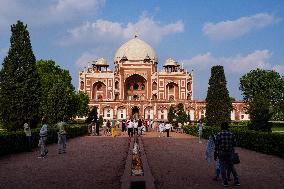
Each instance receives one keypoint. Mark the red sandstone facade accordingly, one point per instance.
(136, 88)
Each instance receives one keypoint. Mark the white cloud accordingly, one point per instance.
(239, 64)
(48, 12)
(93, 54)
(64, 10)
(104, 31)
(232, 29)
(84, 59)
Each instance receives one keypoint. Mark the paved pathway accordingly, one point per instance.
(178, 162)
(98, 162)
(90, 162)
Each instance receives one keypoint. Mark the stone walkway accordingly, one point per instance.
(90, 162)
(179, 162)
(98, 162)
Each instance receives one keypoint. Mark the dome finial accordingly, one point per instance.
(136, 34)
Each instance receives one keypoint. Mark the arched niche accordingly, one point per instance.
(135, 87)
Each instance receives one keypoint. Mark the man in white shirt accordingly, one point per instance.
(168, 127)
(135, 125)
(130, 128)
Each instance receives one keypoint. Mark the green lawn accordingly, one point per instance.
(278, 128)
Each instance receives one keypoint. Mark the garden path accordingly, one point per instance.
(90, 162)
(179, 162)
(98, 162)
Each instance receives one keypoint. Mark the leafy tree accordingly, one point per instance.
(57, 103)
(219, 105)
(188, 117)
(19, 82)
(101, 121)
(267, 83)
(59, 98)
(171, 114)
(93, 115)
(181, 114)
(83, 108)
(260, 113)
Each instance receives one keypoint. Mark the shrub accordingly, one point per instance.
(265, 142)
(12, 142)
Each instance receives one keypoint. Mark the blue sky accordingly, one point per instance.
(241, 35)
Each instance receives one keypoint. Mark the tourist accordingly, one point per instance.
(179, 127)
(167, 128)
(200, 128)
(108, 127)
(161, 129)
(28, 133)
(156, 126)
(224, 149)
(113, 131)
(140, 123)
(130, 128)
(93, 128)
(62, 136)
(135, 125)
(117, 123)
(43, 137)
(209, 156)
(90, 129)
(123, 124)
(151, 125)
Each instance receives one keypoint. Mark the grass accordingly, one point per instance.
(278, 128)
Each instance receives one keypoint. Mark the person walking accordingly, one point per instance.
(161, 129)
(135, 125)
(200, 128)
(43, 137)
(209, 156)
(28, 133)
(108, 126)
(224, 149)
(130, 128)
(140, 123)
(123, 126)
(167, 128)
(113, 130)
(61, 126)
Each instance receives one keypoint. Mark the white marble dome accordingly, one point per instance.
(135, 49)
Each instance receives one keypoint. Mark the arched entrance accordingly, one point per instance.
(135, 112)
(135, 88)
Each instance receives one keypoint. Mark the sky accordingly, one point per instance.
(240, 35)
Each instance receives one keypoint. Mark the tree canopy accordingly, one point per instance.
(20, 87)
(181, 114)
(268, 84)
(171, 114)
(260, 113)
(59, 98)
(218, 101)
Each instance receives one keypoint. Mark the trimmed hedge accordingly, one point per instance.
(265, 142)
(13, 142)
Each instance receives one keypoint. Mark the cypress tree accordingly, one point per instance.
(19, 82)
(218, 101)
(171, 114)
(181, 114)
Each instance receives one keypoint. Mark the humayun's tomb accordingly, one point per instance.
(135, 87)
